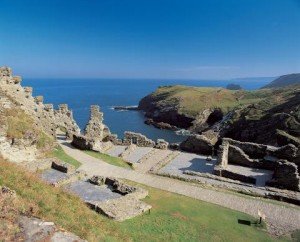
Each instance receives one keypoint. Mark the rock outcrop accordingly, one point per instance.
(200, 144)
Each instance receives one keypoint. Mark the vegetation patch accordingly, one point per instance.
(59, 153)
(173, 217)
(116, 161)
(20, 125)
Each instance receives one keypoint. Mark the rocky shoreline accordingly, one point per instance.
(126, 108)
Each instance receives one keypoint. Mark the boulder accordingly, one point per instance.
(62, 166)
(82, 142)
(161, 144)
(199, 144)
(97, 180)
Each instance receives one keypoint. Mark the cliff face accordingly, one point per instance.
(258, 116)
(168, 112)
(28, 126)
(193, 108)
(270, 120)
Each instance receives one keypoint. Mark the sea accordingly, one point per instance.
(79, 94)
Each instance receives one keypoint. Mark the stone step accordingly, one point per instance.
(152, 159)
(165, 161)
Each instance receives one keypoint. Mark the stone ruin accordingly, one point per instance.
(44, 115)
(258, 156)
(138, 139)
(95, 127)
(125, 207)
(95, 132)
(105, 195)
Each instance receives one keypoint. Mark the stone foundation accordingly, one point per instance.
(125, 207)
(260, 156)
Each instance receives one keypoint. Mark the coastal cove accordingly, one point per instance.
(107, 93)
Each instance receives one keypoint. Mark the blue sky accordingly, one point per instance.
(213, 39)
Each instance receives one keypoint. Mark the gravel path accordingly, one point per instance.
(280, 219)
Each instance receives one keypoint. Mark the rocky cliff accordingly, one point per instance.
(265, 116)
(192, 108)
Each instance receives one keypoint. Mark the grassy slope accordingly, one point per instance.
(59, 153)
(109, 159)
(193, 100)
(173, 217)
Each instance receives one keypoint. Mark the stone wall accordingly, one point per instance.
(64, 119)
(286, 176)
(286, 173)
(137, 139)
(43, 114)
(253, 150)
(82, 142)
(223, 154)
(95, 128)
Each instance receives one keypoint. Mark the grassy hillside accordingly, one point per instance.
(192, 100)
(173, 217)
(285, 80)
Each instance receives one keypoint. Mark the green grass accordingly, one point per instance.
(59, 153)
(193, 100)
(116, 161)
(178, 218)
(173, 217)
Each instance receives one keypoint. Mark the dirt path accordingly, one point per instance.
(280, 219)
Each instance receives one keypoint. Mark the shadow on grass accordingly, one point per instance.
(244, 222)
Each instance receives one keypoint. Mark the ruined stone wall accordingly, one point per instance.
(253, 150)
(286, 176)
(137, 139)
(223, 154)
(95, 128)
(82, 142)
(64, 119)
(43, 114)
